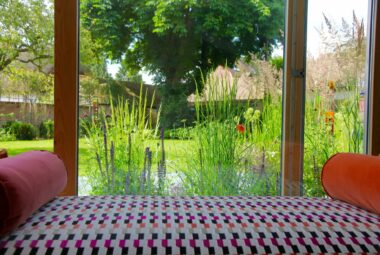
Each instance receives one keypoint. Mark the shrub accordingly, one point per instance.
(167, 134)
(7, 125)
(178, 133)
(6, 136)
(174, 110)
(21, 130)
(26, 131)
(46, 129)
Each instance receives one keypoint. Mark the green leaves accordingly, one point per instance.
(177, 36)
(31, 85)
(27, 32)
(174, 40)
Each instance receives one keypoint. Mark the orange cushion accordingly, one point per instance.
(353, 178)
(28, 181)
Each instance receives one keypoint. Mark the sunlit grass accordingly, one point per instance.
(176, 151)
(18, 147)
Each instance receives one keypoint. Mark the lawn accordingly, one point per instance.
(176, 151)
(17, 147)
(177, 154)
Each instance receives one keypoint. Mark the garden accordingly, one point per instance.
(211, 122)
(232, 148)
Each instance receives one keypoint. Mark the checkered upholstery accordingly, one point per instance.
(195, 225)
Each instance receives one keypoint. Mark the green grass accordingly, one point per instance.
(177, 151)
(17, 147)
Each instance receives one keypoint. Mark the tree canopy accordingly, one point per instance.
(175, 40)
(26, 32)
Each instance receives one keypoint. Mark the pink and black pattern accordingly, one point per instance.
(195, 225)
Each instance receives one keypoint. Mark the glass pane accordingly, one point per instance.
(180, 97)
(337, 41)
(26, 75)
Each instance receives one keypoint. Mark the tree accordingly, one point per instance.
(92, 60)
(124, 74)
(26, 32)
(175, 40)
(91, 90)
(31, 85)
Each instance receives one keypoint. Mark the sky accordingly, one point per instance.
(335, 10)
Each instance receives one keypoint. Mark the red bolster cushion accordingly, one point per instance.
(28, 181)
(353, 178)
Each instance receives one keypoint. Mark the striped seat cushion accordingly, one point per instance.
(195, 225)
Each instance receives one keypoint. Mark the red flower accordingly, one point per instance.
(240, 128)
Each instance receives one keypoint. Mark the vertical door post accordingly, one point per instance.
(66, 88)
(294, 97)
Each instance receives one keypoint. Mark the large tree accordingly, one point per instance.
(177, 39)
(26, 32)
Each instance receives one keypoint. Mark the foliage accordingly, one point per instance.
(7, 125)
(125, 74)
(26, 131)
(174, 40)
(27, 32)
(6, 117)
(91, 90)
(91, 59)
(277, 62)
(342, 59)
(21, 130)
(335, 81)
(119, 145)
(33, 86)
(174, 110)
(94, 79)
(6, 135)
(26, 49)
(46, 129)
(221, 162)
(182, 133)
(324, 137)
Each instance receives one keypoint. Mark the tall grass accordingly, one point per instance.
(324, 138)
(119, 142)
(222, 159)
(221, 162)
(265, 139)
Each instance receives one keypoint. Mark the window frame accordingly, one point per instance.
(66, 92)
(373, 81)
(293, 97)
(66, 89)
